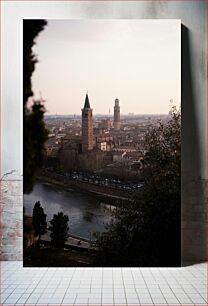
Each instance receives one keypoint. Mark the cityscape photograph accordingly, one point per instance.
(102, 143)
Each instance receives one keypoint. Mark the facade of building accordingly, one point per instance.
(117, 121)
(102, 146)
(105, 125)
(126, 149)
(87, 127)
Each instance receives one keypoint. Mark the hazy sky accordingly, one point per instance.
(137, 61)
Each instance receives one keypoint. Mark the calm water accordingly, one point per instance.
(87, 214)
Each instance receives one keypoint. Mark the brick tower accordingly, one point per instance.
(87, 126)
(117, 115)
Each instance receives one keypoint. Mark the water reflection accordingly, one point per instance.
(87, 214)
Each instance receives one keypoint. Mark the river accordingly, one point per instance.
(87, 214)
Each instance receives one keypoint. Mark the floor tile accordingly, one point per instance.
(53, 286)
(81, 301)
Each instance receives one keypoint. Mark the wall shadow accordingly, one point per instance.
(193, 231)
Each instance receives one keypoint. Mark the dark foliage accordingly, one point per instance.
(39, 220)
(59, 230)
(31, 29)
(147, 232)
(35, 133)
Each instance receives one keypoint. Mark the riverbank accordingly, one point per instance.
(75, 242)
(115, 196)
(50, 257)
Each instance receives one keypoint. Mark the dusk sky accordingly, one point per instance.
(137, 61)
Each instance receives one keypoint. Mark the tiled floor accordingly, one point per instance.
(97, 286)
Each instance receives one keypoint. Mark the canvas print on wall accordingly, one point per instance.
(102, 147)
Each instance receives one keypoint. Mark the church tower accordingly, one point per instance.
(87, 126)
(117, 123)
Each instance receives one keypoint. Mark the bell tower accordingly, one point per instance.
(87, 126)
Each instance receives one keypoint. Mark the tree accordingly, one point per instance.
(147, 231)
(35, 133)
(59, 230)
(39, 221)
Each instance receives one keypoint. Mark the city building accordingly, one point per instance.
(117, 120)
(124, 149)
(102, 146)
(88, 143)
(87, 126)
(105, 125)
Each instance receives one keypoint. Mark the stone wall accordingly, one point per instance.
(11, 220)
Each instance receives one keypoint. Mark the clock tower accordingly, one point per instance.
(117, 122)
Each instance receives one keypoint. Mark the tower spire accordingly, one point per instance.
(87, 102)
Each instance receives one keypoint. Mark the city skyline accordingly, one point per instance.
(129, 59)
